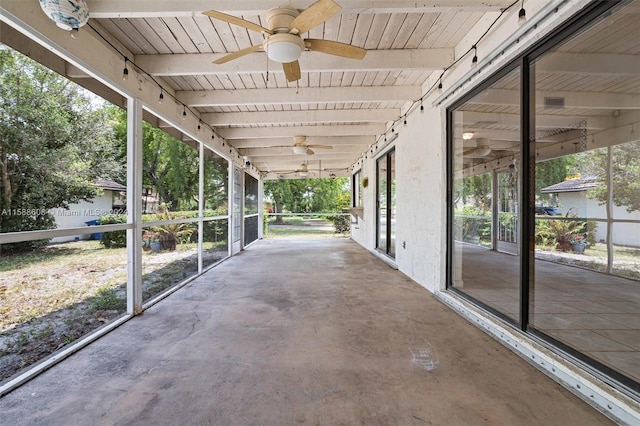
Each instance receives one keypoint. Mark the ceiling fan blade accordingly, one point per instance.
(335, 48)
(320, 146)
(292, 71)
(310, 151)
(313, 16)
(237, 21)
(238, 54)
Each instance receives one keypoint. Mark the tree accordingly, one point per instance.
(54, 142)
(625, 174)
(474, 190)
(550, 172)
(309, 195)
(171, 168)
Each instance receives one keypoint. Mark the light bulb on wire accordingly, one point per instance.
(125, 71)
(522, 15)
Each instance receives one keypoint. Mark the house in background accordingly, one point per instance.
(111, 201)
(573, 195)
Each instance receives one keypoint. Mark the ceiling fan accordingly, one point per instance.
(482, 149)
(301, 148)
(283, 42)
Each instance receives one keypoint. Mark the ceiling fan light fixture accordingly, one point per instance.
(284, 48)
(300, 150)
(482, 152)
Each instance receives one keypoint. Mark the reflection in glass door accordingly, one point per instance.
(386, 204)
(237, 209)
(507, 206)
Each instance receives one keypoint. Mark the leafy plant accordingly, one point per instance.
(341, 223)
(172, 232)
(114, 239)
(563, 231)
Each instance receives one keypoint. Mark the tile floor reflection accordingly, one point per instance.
(595, 313)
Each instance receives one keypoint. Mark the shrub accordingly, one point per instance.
(114, 239)
(341, 223)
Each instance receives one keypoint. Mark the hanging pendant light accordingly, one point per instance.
(67, 14)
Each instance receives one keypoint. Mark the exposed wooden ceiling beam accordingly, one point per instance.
(375, 60)
(184, 8)
(588, 63)
(275, 132)
(336, 141)
(543, 121)
(309, 116)
(304, 95)
(324, 155)
(286, 150)
(585, 100)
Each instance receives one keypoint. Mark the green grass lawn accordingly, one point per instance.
(55, 295)
(276, 232)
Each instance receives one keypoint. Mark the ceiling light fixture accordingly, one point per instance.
(284, 48)
(467, 136)
(299, 149)
(68, 14)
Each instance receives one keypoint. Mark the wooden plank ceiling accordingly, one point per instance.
(339, 102)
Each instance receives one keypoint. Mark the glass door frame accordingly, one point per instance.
(389, 248)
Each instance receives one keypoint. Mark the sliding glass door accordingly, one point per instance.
(386, 204)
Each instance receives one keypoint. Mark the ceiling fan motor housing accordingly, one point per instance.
(279, 18)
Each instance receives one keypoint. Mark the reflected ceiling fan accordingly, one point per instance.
(482, 149)
(283, 42)
(301, 148)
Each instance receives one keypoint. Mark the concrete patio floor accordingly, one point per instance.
(296, 332)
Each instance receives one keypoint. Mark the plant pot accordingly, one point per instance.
(563, 245)
(578, 248)
(169, 244)
(146, 248)
(156, 247)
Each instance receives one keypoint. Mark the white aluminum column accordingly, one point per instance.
(134, 206)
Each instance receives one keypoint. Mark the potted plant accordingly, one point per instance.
(170, 233)
(146, 241)
(151, 242)
(578, 244)
(565, 229)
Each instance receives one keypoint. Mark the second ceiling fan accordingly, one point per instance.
(283, 42)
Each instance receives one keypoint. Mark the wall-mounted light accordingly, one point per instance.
(474, 60)
(161, 97)
(467, 136)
